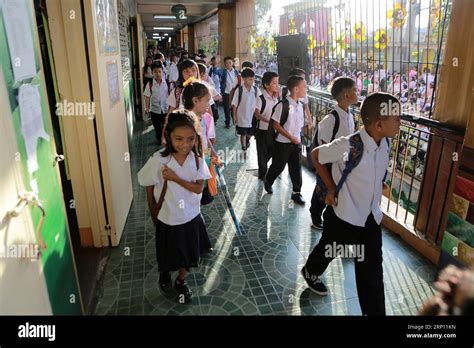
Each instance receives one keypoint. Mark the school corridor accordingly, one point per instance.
(257, 272)
(83, 84)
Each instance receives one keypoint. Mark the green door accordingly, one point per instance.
(30, 119)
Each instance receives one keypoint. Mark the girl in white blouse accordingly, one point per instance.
(174, 179)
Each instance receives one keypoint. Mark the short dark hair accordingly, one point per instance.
(202, 68)
(297, 71)
(247, 72)
(371, 107)
(339, 84)
(247, 64)
(213, 58)
(267, 78)
(293, 81)
(156, 65)
(228, 58)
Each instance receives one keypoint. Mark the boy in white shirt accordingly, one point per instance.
(287, 145)
(353, 215)
(156, 99)
(243, 107)
(229, 79)
(338, 123)
(174, 72)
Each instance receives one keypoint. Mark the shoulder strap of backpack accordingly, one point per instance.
(150, 84)
(255, 91)
(356, 150)
(196, 160)
(285, 110)
(337, 121)
(264, 103)
(239, 96)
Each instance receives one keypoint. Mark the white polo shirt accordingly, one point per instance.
(159, 96)
(267, 112)
(295, 121)
(247, 106)
(180, 205)
(326, 126)
(231, 80)
(361, 193)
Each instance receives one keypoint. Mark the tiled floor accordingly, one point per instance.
(256, 273)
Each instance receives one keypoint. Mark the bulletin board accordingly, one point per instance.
(26, 90)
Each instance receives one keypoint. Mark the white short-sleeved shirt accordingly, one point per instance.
(361, 192)
(159, 96)
(231, 80)
(174, 73)
(247, 105)
(180, 205)
(267, 112)
(326, 126)
(209, 132)
(295, 121)
(172, 99)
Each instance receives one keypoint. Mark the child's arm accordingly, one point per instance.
(307, 113)
(234, 114)
(195, 187)
(259, 116)
(283, 132)
(152, 205)
(147, 104)
(326, 176)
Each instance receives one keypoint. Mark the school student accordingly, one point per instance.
(288, 120)
(174, 182)
(263, 112)
(147, 71)
(338, 123)
(304, 100)
(229, 78)
(243, 107)
(174, 71)
(156, 99)
(353, 215)
(216, 97)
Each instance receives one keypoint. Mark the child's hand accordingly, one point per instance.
(295, 140)
(154, 214)
(331, 198)
(169, 174)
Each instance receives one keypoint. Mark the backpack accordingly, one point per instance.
(355, 155)
(334, 131)
(285, 111)
(255, 120)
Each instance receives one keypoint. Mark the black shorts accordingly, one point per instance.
(244, 130)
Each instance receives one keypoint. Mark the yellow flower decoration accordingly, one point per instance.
(188, 81)
(397, 15)
(359, 32)
(381, 39)
(341, 44)
(259, 41)
(436, 14)
(271, 45)
(312, 42)
(292, 26)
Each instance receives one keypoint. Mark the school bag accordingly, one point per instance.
(356, 150)
(240, 90)
(255, 120)
(285, 111)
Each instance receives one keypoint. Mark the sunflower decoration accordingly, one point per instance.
(397, 15)
(359, 32)
(311, 42)
(341, 44)
(251, 38)
(271, 45)
(436, 14)
(381, 39)
(259, 40)
(292, 27)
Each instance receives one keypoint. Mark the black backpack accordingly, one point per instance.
(334, 131)
(285, 111)
(255, 120)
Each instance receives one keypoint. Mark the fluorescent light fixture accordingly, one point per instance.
(163, 28)
(169, 40)
(166, 34)
(164, 17)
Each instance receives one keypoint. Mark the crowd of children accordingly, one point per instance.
(181, 98)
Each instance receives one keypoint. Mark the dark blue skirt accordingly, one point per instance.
(180, 246)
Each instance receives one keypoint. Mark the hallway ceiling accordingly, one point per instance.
(194, 9)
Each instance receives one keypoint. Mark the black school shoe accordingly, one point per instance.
(184, 291)
(298, 199)
(165, 281)
(267, 186)
(314, 282)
